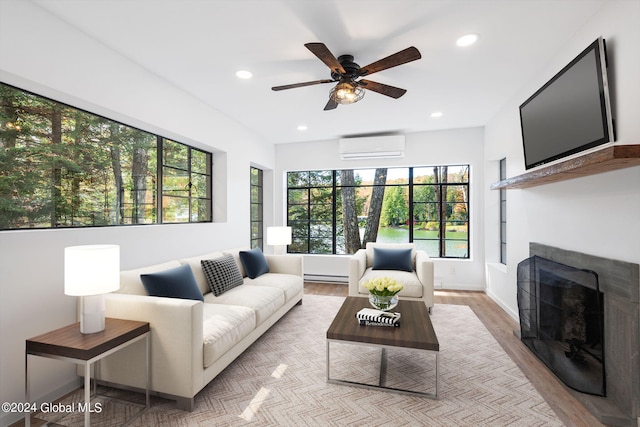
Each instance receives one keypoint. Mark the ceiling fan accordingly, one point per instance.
(346, 72)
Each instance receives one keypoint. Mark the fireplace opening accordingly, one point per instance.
(562, 321)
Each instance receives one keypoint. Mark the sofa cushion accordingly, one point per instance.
(290, 284)
(196, 267)
(223, 327)
(130, 282)
(254, 262)
(221, 273)
(263, 300)
(173, 283)
(412, 285)
(392, 259)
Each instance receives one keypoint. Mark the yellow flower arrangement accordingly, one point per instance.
(383, 286)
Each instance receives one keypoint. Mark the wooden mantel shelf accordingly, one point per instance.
(607, 159)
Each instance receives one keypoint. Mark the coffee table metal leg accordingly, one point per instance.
(437, 366)
(328, 376)
(383, 368)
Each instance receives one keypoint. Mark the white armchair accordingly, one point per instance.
(418, 284)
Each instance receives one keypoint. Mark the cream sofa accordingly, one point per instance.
(418, 284)
(192, 341)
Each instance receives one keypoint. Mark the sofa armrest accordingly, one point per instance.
(287, 264)
(357, 266)
(176, 343)
(424, 270)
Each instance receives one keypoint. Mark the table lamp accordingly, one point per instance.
(279, 237)
(90, 272)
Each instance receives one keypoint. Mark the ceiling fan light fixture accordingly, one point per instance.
(346, 92)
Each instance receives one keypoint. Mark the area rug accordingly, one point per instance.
(281, 381)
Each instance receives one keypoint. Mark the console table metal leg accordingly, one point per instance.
(87, 394)
(27, 391)
(148, 385)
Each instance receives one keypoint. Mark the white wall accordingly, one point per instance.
(461, 146)
(598, 214)
(57, 61)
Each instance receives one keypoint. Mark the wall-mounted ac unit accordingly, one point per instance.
(372, 147)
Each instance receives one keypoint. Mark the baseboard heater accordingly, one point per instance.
(325, 278)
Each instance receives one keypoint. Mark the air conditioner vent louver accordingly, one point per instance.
(373, 147)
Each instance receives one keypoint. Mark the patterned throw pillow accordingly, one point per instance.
(222, 274)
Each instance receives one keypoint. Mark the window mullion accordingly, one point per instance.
(160, 178)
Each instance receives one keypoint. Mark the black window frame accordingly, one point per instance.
(256, 201)
(195, 195)
(503, 212)
(334, 187)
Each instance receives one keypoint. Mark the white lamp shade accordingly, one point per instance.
(278, 236)
(91, 270)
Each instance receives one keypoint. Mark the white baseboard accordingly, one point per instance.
(503, 306)
(458, 287)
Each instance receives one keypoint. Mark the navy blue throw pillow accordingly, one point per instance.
(254, 262)
(392, 259)
(177, 282)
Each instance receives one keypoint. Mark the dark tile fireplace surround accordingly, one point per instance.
(619, 283)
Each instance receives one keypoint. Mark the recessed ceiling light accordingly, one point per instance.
(244, 74)
(302, 127)
(467, 40)
(436, 114)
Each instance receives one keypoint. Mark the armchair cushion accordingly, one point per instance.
(412, 286)
(174, 283)
(392, 259)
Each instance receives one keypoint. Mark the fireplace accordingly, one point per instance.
(617, 287)
(561, 321)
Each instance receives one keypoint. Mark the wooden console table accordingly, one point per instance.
(69, 344)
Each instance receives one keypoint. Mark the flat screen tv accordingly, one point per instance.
(571, 112)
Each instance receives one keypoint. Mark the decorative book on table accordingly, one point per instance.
(371, 317)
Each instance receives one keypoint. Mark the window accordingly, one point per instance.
(65, 167)
(503, 213)
(257, 221)
(186, 179)
(338, 211)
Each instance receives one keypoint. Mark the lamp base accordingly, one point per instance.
(280, 249)
(92, 314)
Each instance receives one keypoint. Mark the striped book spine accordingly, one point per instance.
(372, 323)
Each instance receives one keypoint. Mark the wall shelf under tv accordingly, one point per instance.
(604, 160)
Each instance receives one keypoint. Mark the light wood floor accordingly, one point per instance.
(501, 325)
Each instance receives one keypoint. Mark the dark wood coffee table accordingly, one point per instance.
(415, 332)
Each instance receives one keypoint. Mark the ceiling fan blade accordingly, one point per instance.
(392, 91)
(407, 55)
(295, 85)
(324, 54)
(331, 105)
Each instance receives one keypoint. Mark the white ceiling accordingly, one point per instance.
(198, 45)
